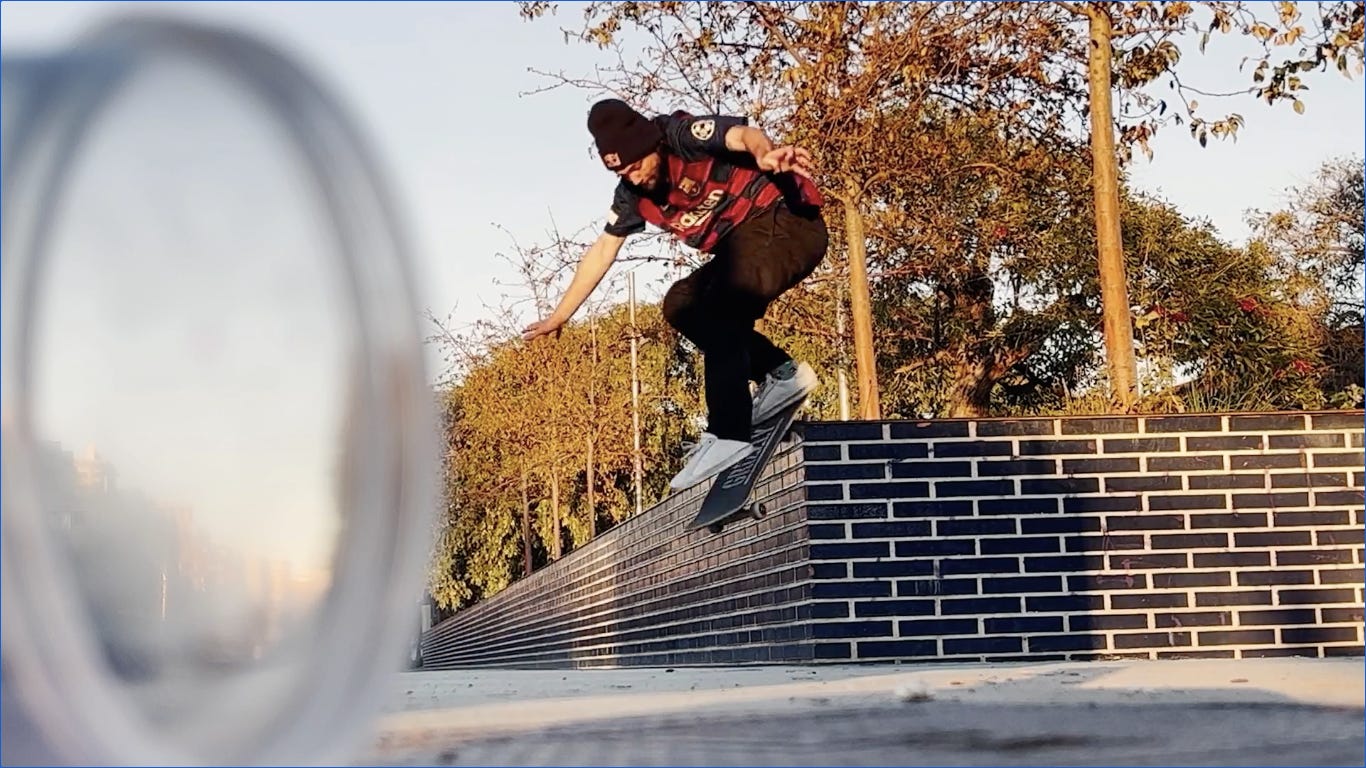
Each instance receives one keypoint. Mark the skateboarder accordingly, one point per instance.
(722, 187)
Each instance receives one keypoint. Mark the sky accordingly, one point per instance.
(440, 89)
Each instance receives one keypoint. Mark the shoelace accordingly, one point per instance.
(692, 448)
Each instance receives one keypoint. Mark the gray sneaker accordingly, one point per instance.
(781, 388)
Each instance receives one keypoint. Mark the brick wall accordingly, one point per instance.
(1206, 535)
(1079, 538)
(646, 593)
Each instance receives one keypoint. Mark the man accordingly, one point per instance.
(723, 188)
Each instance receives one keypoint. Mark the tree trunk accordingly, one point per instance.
(592, 506)
(1119, 341)
(554, 515)
(526, 528)
(861, 307)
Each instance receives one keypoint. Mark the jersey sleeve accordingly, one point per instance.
(692, 137)
(624, 217)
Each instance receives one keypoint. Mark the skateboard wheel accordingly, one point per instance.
(759, 510)
(715, 528)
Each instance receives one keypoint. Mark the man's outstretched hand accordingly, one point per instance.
(542, 328)
(784, 159)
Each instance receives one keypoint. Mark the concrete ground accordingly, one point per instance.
(1186, 712)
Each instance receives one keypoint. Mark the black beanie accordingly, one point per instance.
(622, 134)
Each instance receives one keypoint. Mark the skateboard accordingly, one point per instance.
(727, 501)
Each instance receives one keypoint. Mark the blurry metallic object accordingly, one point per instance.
(63, 701)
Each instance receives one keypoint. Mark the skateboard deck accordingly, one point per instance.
(727, 500)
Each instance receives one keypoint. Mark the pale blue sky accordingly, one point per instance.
(437, 87)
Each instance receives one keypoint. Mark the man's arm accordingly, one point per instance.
(744, 138)
(590, 271)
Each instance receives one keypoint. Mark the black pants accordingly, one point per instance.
(716, 306)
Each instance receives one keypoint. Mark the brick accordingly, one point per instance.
(1249, 597)
(824, 492)
(1316, 596)
(932, 469)
(1337, 420)
(894, 608)
(943, 450)
(1065, 603)
(829, 531)
(843, 629)
(812, 453)
(1277, 617)
(1225, 443)
(1035, 506)
(818, 472)
(1266, 461)
(1099, 426)
(1144, 522)
(1229, 520)
(847, 551)
(1278, 422)
(1184, 463)
(1183, 424)
(1148, 561)
(1306, 441)
(1153, 640)
(1336, 651)
(975, 488)
(1270, 578)
(1063, 564)
(991, 428)
(1106, 582)
(1060, 487)
(978, 645)
(893, 568)
(1194, 579)
(1335, 615)
(1120, 601)
(842, 431)
(891, 530)
(931, 508)
(1272, 539)
(1337, 498)
(888, 490)
(1104, 543)
(921, 429)
(1196, 654)
(971, 565)
(936, 547)
(833, 651)
(1205, 482)
(1148, 483)
(1059, 524)
(1056, 447)
(1017, 467)
(1102, 504)
(1189, 540)
(929, 587)
(975, 527)
(829, 610)
(1098, 466)
(845, 511)
(859, 451)
(829, 570)
(1021, 585)
(1358, 440)
(1337, 459)
(1016, 546)
(1192, 619)
(1313, 556)
(1236, 637)
(1016, 624)
(831, 590)
(1229, 559)
(979, 605)
(1281, 652)
(1342, 576)
(1065, 642)
(937, 627)
(878, 649)
(1318, 634)
(1344, 536)
(1188, 501)
(1269, 500)
(1143, 445)
(1088, 622)
(1309, 480)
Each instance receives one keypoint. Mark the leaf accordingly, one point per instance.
(1299, 106)
(1194, 105)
